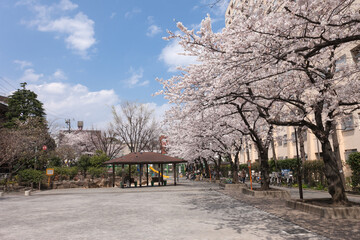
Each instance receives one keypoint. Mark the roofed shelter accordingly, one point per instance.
(141, 158)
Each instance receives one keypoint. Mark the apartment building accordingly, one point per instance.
(348, 128)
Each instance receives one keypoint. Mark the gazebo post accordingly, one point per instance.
(129, 175)
(174, 168)
(113, 167)
(162, 172)
(147, 174)
(140, 174)
(159, 174)
(123, 174)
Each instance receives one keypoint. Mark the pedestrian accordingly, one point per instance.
(243, 175)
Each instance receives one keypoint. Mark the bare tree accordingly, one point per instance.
(135, 126)
(107, 142)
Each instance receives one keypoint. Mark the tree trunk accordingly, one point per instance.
(264, 169)
(301, 143)
(207, 170)
(273, 150)
(337, 153)
(335, 184)
(218, 168)
(235, 169)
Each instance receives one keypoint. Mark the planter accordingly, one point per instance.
(330, 212)
(272, 193)
(234, 187)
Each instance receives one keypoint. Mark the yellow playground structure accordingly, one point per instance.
(158, 172)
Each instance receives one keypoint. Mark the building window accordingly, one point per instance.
(285, 139)
(279, 141)
(347, 123)
(304, 134)
(293, 137)
(348, 152)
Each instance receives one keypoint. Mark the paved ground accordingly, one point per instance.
(336, 229)
(191, 210)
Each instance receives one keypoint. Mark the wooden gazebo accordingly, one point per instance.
(142, 158)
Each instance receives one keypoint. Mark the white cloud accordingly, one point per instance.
(133, 12)
(171, 56)
(30, 76)
(113, 15)
(77, 31)
(153, 30)
(159, 110)
(136, 76)
(62, 100)
(67, 5)
(59, 74)
(144, 83)
(23, 64)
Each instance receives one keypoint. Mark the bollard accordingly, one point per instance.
(28, 193)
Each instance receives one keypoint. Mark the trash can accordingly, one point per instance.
(135, 183)
(152, 183)
(165, 182)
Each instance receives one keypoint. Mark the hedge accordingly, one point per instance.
(29, 176)
(354, 163)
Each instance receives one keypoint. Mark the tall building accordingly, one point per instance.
(348, 128)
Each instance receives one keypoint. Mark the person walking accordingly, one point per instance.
(243, 175)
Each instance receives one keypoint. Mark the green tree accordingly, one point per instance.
(84, 164)
(98, 159)
(23, 104)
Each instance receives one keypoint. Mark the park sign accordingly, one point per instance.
(49, 171)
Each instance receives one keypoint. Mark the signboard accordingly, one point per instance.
(44, 148)
(49, 171)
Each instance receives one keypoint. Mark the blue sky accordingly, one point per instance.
(83, 56)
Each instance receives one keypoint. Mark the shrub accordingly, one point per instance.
(65, 173)
(29, 176)
(96, 172)
(354, 163)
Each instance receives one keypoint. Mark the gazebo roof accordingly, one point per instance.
(145, 158)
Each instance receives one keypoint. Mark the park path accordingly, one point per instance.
(191, 210)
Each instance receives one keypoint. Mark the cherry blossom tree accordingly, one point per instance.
(276, 64)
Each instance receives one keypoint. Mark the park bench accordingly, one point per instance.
(156, 180)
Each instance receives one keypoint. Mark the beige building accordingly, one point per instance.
(348, 128)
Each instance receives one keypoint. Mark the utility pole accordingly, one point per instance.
(68, 122)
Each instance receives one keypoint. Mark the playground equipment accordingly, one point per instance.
(158, 172)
